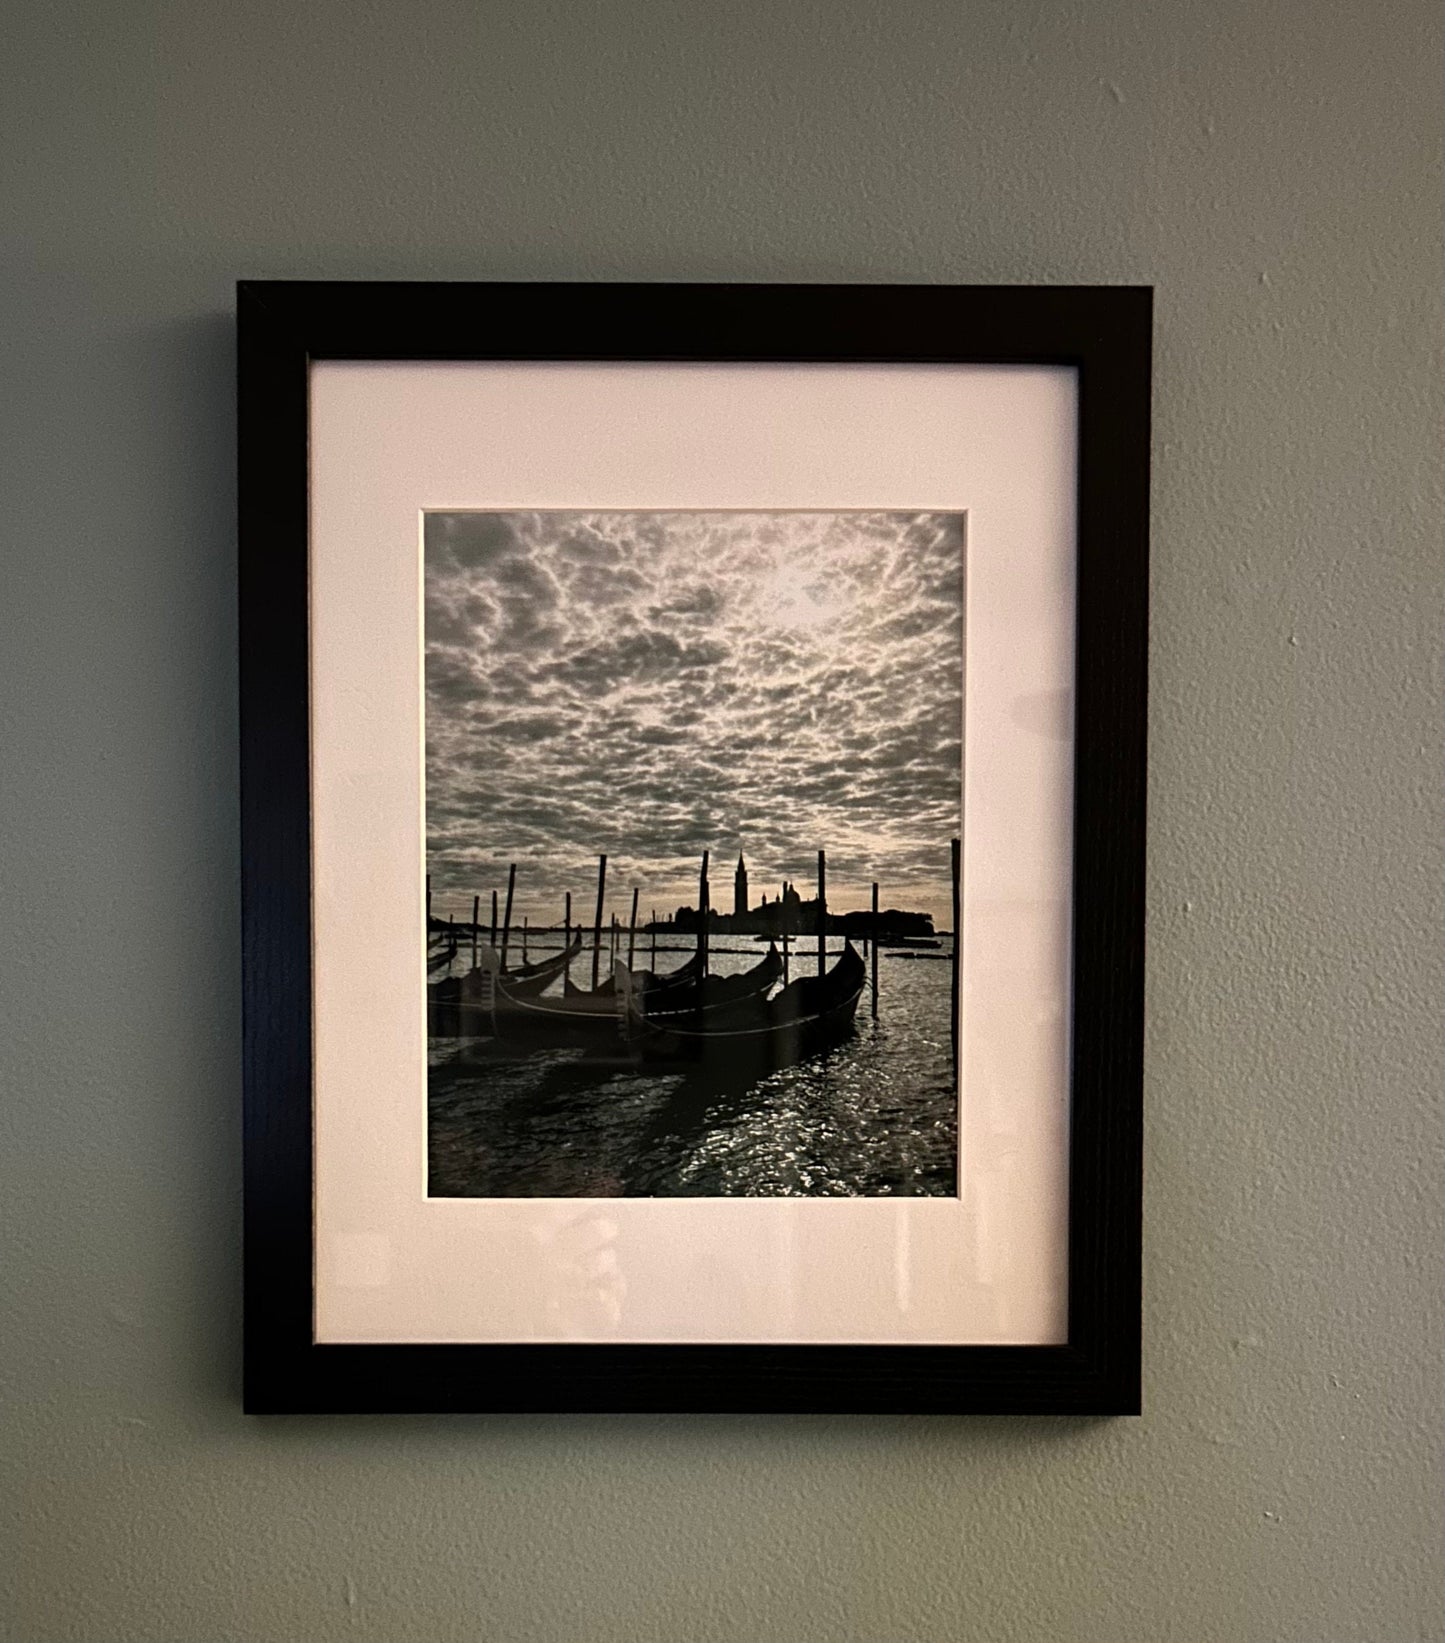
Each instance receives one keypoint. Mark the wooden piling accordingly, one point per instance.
(632, 929)
(476, 927)
(494, 918)
(597, 924)
(783, 928)
(507, 917)
(873, 933)
(957, 854)
(653, 922)
(822, 912)
(704, 907)
(524, 938)
(428, 902)
(567, 939)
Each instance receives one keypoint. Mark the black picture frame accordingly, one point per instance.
(1103, 332)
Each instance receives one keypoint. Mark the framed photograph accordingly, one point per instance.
(693, 846)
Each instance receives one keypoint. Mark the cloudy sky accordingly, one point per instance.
(656, 684)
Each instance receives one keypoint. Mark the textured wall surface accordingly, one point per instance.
(1274, 171)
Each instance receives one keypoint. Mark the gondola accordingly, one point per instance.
(710, 993)
(463, 1005)
(810, 1015)
(545, 969)
(577, 1015)
(607, 988)
(602, 1013)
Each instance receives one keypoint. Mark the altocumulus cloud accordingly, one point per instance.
(656, 684)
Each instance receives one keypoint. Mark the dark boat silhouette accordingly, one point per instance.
(463, 1004)
(532, 978)
(607, 988)
(604, 1012)
(808, 1015)
(710, 993)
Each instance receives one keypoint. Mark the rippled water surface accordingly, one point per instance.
(876, 1115)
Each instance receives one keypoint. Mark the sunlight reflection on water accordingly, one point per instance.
(875, 1116)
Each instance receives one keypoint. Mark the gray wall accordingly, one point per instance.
(1273, 169)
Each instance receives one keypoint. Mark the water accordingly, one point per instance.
(876, 1115)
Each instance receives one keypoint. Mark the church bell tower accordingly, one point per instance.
(740, 887)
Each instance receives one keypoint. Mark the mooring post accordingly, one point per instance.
(632, 928)
(451, 942)
(494, 918)
(524, 938)
(957, 853)
(567, 939)
(873, 932)
(507, 916)
(487, 1001)
(822, 912)
(476, 927)
(783, 927)
(428, 902)
(622, 1003)
(653, 922)
(597, 923)
(702, 911)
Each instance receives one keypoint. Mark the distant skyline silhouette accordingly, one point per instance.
(656, 684)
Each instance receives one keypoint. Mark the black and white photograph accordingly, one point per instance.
(693, 810)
